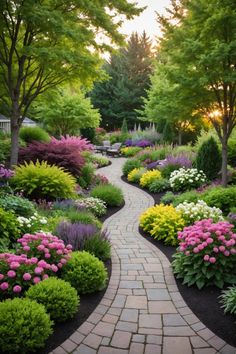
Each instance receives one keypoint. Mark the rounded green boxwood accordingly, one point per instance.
(85, 272)
(58, 297)
(24, 326)
(29, 134)
(109, 193)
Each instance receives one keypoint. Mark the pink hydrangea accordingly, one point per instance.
(17, 289)
(27, 276)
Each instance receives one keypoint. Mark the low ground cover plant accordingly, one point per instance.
(162, 222)
(109, 193)
(206, 254)
(135, 175)
(43, 181)
(159, 185)
(149, 177)
(19, 205)
(24, 326)
(228, 300)
(85, 272)
(59, 298)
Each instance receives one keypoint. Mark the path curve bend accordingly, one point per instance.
(142, 311)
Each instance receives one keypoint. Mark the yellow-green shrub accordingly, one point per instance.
(162, 222)
(149, 177)
(135, 175)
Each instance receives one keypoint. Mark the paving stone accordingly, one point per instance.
(173, 320)
(136, 302)
(129, 266)
(185, 311)
(92, 340)
(83, 349)
(198, 326)
(104, 329)
(217, 343)
(150, 321)
(69, 346)
(129, 315)
(86, 328)
(154, 331)
(140, 338)
(136, 348)
(119, 301)
(131, 284)
(206, 333)
(110, 318)
(176, 345)
(95, 318)
(59, 350)
(152, 339)
(161, 307)
(115, 311)
(107, 350)
(121, 339)
(207, 351)
(77, 337)
(127, 326)
(152, 349)
(105, 341)
(139, 292)
(227, 349)
(152, 267)
(158, 294)
(178, 331)
(198, 342)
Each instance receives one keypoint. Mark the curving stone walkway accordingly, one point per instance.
(142, 311)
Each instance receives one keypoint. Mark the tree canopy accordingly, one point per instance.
(46, 42)
(129, 72)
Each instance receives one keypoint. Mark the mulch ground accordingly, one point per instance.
(88, 303)
(205, 302)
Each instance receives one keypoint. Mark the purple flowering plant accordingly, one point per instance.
(206, 254)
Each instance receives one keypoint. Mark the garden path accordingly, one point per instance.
(142, 311)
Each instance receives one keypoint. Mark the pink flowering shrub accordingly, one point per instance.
(206, 254)
(76, 142)
(39, 256)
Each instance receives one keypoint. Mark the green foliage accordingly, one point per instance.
(167, 198)
(162, 222)
(129, 165)
(87, 175)
(148, 177)
(135, 175)
(189, 196)
(82, 217)
(20, 206)
(42, 181)
(9, 227)
(5, 149)
(232, 151)
(59, 298)
(208, 159)
(168, 169)
(129, 70)
(100, 161)
(29, 134)
(222, 198)
(67, 113)
(99, 247)
(85, 272)
(124, 126)
(228, 300)
(88, 133)
(130, 151)
(159, 185)
(109, 193)
(24, 326)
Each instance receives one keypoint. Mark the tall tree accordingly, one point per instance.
(67, 113)
(129, 72)
(200, 44)
(46, 42)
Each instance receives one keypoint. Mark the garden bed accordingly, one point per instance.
(204, 303)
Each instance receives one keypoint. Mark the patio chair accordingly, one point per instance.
(106, 144)
(114, 150)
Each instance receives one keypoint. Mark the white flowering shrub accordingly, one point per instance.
(192, 212)
(35, 223)
(95, 205)
(184, 179)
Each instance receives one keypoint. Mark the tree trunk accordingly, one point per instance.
(224, 162)
(15, 128)
(180, 137)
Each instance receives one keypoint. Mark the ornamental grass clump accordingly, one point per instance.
(110, 194)
(206, 254)
(85, 272)
(172, 163)
(162, 222)
(149, 177)
(228, 300)
(24, 326)
(59, 298)
(135, 175)
(197, 211)
(184, 179)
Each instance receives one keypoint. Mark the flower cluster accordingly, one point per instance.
(184, 179)
(136, 174)
(5, 173)
(76, 142)
(180, 160)
(31, 224)
(197, 211)
(148, 177)
(143, 143)
(19, 271)
(100, 179)
(130, 151)
(95, 205)
(209, 238)
(206, 255)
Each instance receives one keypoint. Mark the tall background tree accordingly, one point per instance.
(121, 95)
(44, 43)
(199, 47)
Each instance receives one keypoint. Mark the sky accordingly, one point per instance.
(147, 20)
